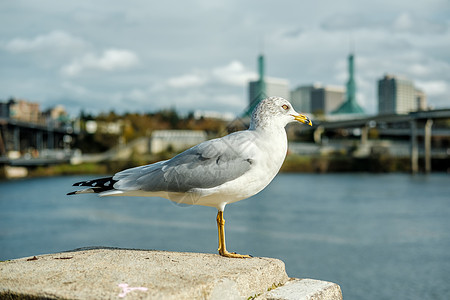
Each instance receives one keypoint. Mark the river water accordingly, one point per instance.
(377, 236)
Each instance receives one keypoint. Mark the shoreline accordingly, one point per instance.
(293, 164)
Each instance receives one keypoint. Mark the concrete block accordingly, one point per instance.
(110, 273)
(304, 289)
(107, 273)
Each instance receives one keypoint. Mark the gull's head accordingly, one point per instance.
(276, 111)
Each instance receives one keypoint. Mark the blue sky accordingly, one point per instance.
(142, 56)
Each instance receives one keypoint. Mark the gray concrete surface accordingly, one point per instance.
(107, 273)
(305, 289)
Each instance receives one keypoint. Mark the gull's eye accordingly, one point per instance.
(285, 107)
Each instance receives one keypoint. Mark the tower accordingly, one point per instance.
(350, 106)
(257, 89)
(398, 95)
(265, 87)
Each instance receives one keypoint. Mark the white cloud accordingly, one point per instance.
(205, 57)
(346, 21)
(74, 88)
(434, 88)
(418, 69)
(109, 60)
(54, 40)
(402, 22)
(138, 95)
(234, 74)
(187, 80)
(406, 22)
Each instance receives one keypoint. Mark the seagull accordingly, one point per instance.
(216, 172)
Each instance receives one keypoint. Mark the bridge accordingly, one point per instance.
(29, 144)
(32, 144)
(421, 126)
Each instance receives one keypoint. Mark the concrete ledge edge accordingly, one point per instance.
(101, 272)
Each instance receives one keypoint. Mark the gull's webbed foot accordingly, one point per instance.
(234, 254)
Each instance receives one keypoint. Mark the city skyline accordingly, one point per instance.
(200, 55)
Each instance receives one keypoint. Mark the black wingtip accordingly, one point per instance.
(71, 193)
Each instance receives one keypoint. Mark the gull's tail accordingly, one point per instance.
(95, 186)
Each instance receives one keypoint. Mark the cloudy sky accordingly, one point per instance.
(142, 56)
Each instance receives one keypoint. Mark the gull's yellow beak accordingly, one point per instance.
(303, 119)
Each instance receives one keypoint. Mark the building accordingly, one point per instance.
(301, 97)
(257, 89)
(28, 132)
(175, 140)
(421, 100)
(398, 95)
(350, 106)
(24, 111)
(57, 113)
(317, 99)
(4, 110)
(277, 87)
(325, 100)
(265, 87)
(273, 87)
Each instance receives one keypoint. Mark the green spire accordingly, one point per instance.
(261, 94)
(350, 106)
(351, 86)
(261, 67)
(260, 91)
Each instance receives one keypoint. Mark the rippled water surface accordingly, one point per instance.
(378, 236)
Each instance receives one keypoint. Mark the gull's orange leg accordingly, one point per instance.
(222, 248)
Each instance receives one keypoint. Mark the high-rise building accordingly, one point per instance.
(301, 97)
(326, 100)
(318, 99)
(277, 87)
(398, 95)
(266, 87)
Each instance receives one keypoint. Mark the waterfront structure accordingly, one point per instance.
(26, 131)
(26, 111)
(21, 110)
(317, 99)
(350, 106)
(398, 95)
(265, 87)
(175, 140)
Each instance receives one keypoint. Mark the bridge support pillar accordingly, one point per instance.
(427, 142)
(16, 139)
(39, 141)
(50, 139)
(364, 134)
(318, 135)
(414, 148)
(2, 141)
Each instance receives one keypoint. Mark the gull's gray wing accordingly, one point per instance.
(206, 165)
